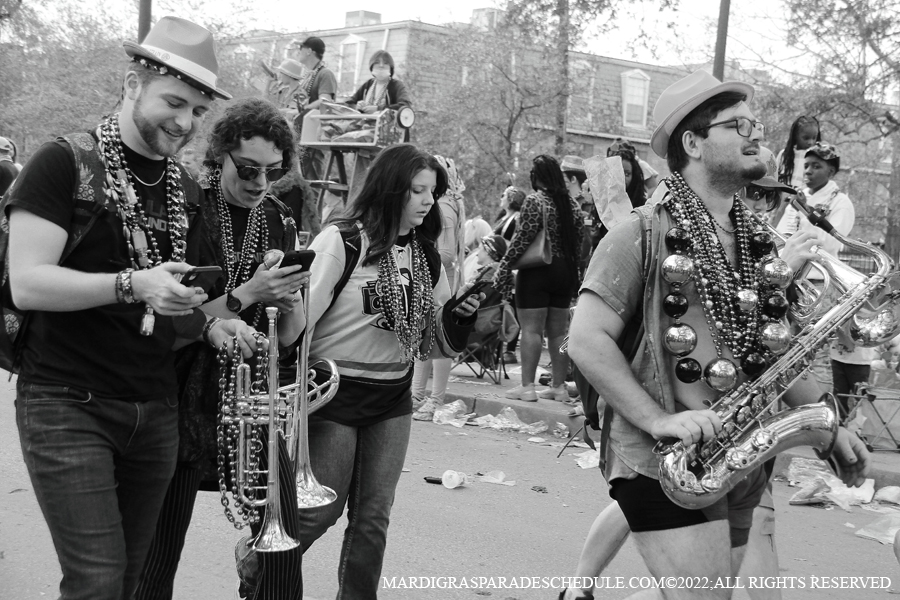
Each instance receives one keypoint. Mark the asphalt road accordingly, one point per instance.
(532, 529)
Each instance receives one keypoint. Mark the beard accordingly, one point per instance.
(156, 139)
(757, 171)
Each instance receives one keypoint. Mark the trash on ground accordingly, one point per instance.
(560, 430)
(469, 380)
(882, 529)
(819, 485)
(539, 488)
(507, 419)
(889, 493)
(589, 459)
(404, 470)
(451, 414)
(850, 525)
(498, 477)
(454, 479)
(536, 440)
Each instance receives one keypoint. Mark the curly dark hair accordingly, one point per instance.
(379, 205)
(635, 189)
(245, 119)
(547, 177)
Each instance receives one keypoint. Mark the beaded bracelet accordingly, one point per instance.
(120, 292)
(207, 328)
(127, 291)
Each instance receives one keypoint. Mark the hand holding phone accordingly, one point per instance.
(304, 258)
(201, 277)
(476, 288)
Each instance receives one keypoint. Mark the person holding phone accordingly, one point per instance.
(391, 312)
(250, 147)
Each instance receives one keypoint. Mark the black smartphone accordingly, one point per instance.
(304, 258)
(201, 277)
(478, 286)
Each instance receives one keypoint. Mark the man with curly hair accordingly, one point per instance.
(249, 149)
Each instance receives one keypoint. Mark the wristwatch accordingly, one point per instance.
(233, 304)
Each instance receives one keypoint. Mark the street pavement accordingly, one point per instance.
(534, 528)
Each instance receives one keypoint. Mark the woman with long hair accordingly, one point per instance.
(543, 294)
(391, 311)
(805, 132)
(634, 177)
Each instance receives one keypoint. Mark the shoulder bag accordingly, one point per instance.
(538, 254)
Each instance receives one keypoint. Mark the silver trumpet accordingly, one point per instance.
(310, 493)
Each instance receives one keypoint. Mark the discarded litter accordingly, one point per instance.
(507, 419)
(882, 529)
(589, 459)
(536, 440)
(819, 485)
(539, 488)
(454, 479)
(889, 493)
(560, 430)
(498, 477)
(451, 414)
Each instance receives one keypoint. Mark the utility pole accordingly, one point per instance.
(721, 38)
(145, 11)
(562, 53)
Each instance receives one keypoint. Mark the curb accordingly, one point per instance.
(885, 468)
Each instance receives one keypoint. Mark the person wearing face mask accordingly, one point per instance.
(382, 91)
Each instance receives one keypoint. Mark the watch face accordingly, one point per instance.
(406, 117)
(232, 303)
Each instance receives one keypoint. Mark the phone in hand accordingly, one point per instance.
(304, 258)
(201, 277)
(476, 288)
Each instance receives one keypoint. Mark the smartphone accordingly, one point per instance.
(477, 287)
(303, 239)
(304, 258)
(201, 277)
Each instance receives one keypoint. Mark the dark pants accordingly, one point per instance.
(100, 468)
(270, 576)
(362, 465)
(845, 377)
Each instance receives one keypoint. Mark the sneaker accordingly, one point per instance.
(417, 403)
(560, 394)
(510, 358)
(525, 393)
(426, 411)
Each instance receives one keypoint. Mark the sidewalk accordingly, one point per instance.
(482, 397)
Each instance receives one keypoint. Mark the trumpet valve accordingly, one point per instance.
(737, 459)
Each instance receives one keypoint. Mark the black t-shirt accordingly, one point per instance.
(8, 174)
(99, 349)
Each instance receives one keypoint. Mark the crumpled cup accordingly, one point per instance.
(454, 479)
(451, 414)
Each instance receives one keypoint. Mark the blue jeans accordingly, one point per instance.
(363, 465)
(100, 468)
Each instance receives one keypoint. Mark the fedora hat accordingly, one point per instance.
(291, 68)
(683, 96)
(183, 47)
(572, 163)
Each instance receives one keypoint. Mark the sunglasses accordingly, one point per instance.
(248, 173)
(744, 126)
(756, 193)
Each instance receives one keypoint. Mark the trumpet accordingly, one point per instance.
(250, 403)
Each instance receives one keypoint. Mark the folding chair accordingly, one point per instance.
(483, 354)
(878, 406)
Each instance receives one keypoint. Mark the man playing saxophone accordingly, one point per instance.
(709, 318)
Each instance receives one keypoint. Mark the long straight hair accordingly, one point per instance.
(379, 205)
(786, 168)
(547, 177)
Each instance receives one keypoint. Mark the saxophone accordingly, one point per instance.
(697, 475)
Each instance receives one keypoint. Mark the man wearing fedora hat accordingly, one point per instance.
(668, 284)
(101, 230)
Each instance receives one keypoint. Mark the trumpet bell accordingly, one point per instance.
(870, 330)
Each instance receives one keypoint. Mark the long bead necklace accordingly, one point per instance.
(256, 239)
(143, 249)
(409, 325)
(730, 298)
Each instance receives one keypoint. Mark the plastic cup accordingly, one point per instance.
(454, 479)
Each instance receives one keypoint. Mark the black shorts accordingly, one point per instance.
(647, 508)
(548, 286)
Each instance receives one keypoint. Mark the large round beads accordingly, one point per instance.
(775, 336)
(680, 339)
(678, 239)
(688, 370)
(721, 375)
(677, 269)
(746, 300)
(776, 306)
(675, 305)
(761, 244)
(776, 273)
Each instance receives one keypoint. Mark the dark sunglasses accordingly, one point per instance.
(755, 193)
(248, 173)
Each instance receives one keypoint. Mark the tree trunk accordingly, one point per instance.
(562, 52)
(892, 237)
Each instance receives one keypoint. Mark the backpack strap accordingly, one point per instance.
(352, 239)
(88, 194)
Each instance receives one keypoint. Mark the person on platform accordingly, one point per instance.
(318, 85)
(710, 139)
(382, 91)
(97, 396)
